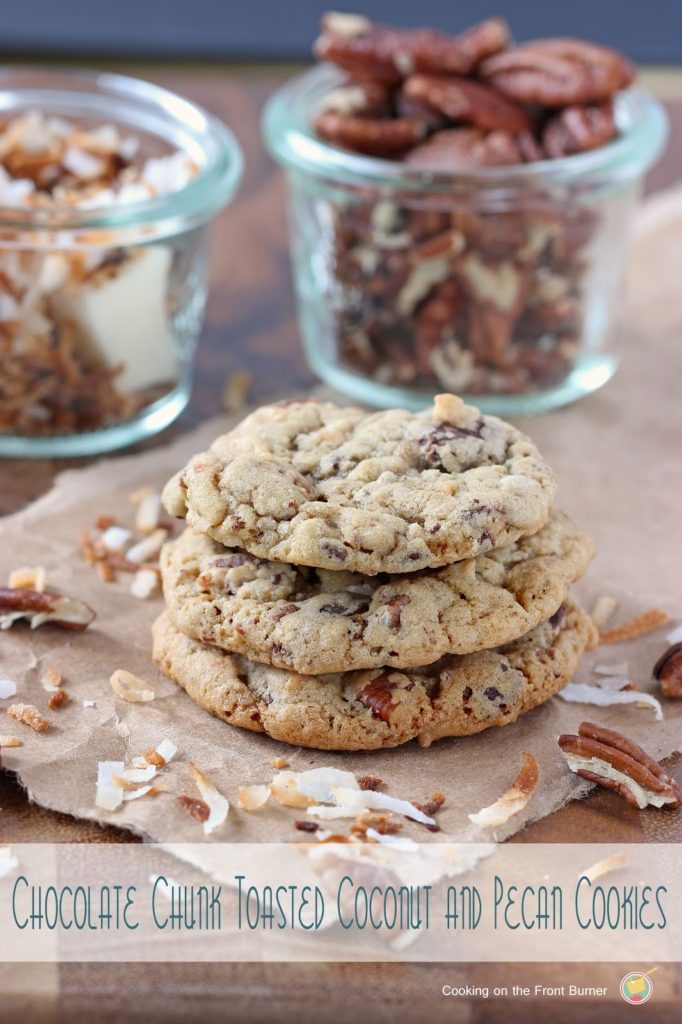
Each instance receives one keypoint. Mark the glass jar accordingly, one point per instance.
(501, 284)
(102, 301)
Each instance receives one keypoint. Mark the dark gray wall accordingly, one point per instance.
(244, 29)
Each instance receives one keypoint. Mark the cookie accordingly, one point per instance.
(314, 484)
(366, 710)
(317, 621)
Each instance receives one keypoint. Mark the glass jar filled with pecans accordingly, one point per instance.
(107, 189)
(460, 209)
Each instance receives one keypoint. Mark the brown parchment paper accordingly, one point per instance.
(617, 456)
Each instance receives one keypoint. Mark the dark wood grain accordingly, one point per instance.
(251, 326)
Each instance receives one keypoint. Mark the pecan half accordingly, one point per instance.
(462, 99)
(558, 72)
(578, 129)
(370, 99)
(668, 671)
(43, 606)
(465, 148)
(388, 54)
(613, 761)
(373, 136)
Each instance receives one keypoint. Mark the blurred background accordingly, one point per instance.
(650, 31)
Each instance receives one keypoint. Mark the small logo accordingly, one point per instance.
(637, 988)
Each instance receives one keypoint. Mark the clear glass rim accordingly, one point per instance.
(290, 139)
(212, 188)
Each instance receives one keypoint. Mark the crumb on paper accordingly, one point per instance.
(29, 715)
(51, 678)
(648, 621)
(235, 391)
(370, 782)
(131, 687)
(10, 741)
(89, 704)
(514, 799)
(57, 699)
(279, 762)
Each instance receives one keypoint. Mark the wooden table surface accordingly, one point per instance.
(251, 326)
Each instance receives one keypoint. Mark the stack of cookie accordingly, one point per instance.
(351, 580)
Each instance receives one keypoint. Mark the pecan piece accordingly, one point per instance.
(469, 102)
(457, 149)
(388, 54)
(613, 761)
(373, 136)
(390, 614)
(199, 809)
(558, 72)
(376, 696)
(668, 671)
(43, 606)
(578, 129)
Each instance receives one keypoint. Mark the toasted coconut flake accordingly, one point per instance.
(396, 842)
(147, 549)
(675, 636)
(130, 687)
(137, 775)
(621, 668)
(581, 693)
(29, 578)
(253, 797)
(218, 805)
(515, 798)
(109, 795)
(10, 741)
(51, 678)
(115, 538)
(160, 755)
(144, 583)
(7, 861)
(235, 391)
(605, 866)
(135, 794)
(300, 789)
(349, 802)
(652, 619)
(28, 714)
(603, 610)
(8, 688)
(148, 512)
(614, 683)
